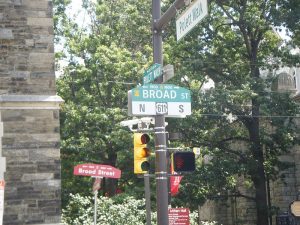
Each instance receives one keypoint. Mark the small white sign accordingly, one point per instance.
(191, 17)
(169, 109)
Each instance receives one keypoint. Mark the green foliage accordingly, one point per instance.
(121, 209)
(240, 119)
(241, 125)
(104, 62)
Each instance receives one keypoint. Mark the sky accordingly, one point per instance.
(76, 12)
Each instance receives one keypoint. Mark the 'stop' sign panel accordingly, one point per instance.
(97, 170)
(161, 93)
(191, 17)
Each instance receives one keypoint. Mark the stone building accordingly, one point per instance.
(30, 113)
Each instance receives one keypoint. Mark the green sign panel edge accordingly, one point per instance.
(161, 93)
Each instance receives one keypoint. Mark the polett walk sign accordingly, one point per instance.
(159, 99)
(191, 17)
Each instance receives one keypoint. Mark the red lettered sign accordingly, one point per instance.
(179, 216)
(97, 170)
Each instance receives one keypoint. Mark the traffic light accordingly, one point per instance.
(183, 161)
(141, 153)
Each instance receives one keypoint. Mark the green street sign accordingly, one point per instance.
(159, 99)
(152, 73)
(161, 93)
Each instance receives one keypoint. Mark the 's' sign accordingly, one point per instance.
(97, 170)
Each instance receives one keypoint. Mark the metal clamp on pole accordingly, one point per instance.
(168, 15)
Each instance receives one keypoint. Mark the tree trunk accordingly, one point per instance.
(110, 187)
(259, 181)
(257, 171)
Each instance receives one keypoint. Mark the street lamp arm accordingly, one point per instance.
(168, 15)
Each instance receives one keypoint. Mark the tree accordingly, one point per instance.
(121, 209)
(232, 47)
(105, 60)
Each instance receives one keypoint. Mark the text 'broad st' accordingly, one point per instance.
(159, 99)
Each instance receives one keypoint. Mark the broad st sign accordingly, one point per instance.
(97, 170)
(159, 99)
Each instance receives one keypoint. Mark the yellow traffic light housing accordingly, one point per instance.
(141, 153)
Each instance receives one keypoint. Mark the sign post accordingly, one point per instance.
(161, 169)
(98, 171)
(96, 187)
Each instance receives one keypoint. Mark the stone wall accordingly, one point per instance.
(26, 52)
(30, 113)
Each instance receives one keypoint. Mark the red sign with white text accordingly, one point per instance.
(179, 216)
(97, 170)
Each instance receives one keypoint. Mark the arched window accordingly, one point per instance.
(285, 82)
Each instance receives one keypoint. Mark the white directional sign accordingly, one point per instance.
(159, 99)
(191, 17)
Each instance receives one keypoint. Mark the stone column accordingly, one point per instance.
(30, 113)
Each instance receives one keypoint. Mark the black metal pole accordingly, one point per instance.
(161, 170)
(160, 132)
(147, 197)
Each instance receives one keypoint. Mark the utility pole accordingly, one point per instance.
(161, 170)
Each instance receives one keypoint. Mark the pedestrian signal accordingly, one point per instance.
(183, 161)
